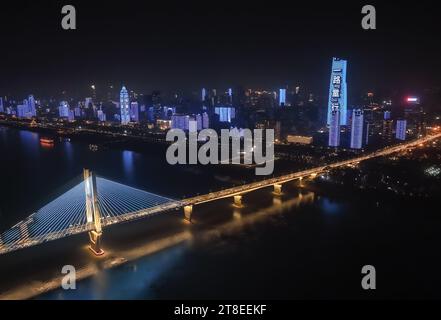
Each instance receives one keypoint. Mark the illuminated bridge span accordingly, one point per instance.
(278, 181)
(97, 202)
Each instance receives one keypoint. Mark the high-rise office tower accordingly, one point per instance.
(63, 109)
(226, 114)
(31, 106)
(338, 90)
(124, 105)
(2, 108)
(357, 129)
(205, 121)
(101, 115)
(199, 122)
(203, 94)
(134, 111)
(387, 133)
(282, 97)
(334, 128)
(180, 121)
(230, 96)
(400, 132)
(386, 115)
(22, 110)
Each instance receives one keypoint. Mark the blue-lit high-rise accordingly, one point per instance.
(31, 106)
(63, 109)
(400, 132)
(124, 105)
(357, 129)
(282, 97)
(334, 128)
(134, 111)
(338, 90)
(226, 114)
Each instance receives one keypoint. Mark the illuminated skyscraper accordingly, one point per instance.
(21, 110)
(134, 111)
(199, 122)
(226, 114)
(334, 128)
(124, 105)
(203, 94)
(282, 97)
(357, 129)
(338, 90)
(179, 121)
(2, 109)
(400, 132)
(63, 109)
(205, 121)
(31, 106)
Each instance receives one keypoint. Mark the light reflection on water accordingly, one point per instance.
(129, 281)
(137, 279)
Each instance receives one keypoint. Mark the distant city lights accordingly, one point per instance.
(433, 171)
(412, 99)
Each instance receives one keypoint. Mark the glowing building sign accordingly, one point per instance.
(338, 91)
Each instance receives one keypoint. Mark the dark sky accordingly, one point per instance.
(184, 45)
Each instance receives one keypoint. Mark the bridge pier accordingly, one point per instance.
(188, 210)
(238, 201)
(93, 214)
(277, 189)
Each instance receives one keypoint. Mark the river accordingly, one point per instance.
(307, 243)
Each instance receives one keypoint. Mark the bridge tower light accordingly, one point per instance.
(93, 214)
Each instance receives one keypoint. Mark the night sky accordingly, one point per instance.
(184, 45)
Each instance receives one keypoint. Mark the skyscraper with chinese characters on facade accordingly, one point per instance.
(338, 90)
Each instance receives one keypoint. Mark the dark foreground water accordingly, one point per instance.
(309, 243)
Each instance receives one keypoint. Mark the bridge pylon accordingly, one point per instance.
(93, 212)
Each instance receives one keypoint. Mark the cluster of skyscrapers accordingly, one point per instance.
(27, 108)
(287, 110)
(355, 122)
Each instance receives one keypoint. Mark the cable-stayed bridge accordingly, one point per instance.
(97, 202)
(67, 214)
